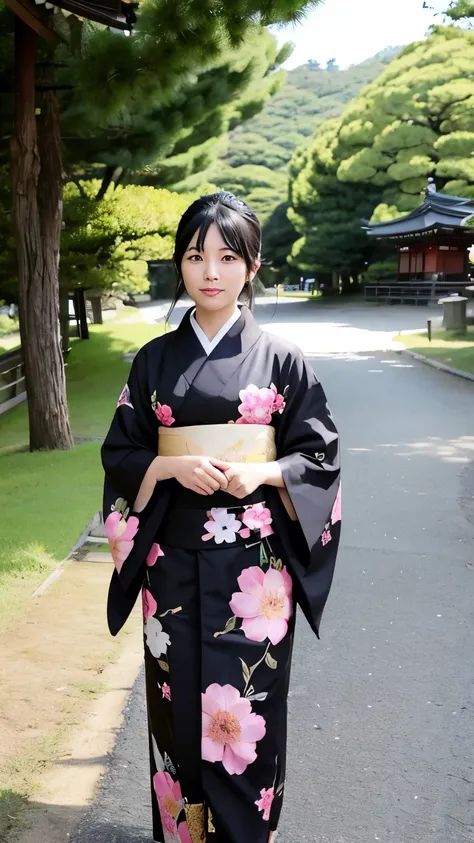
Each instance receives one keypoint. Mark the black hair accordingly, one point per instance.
(239, 227)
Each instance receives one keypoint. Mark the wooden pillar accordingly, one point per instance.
(81, 316)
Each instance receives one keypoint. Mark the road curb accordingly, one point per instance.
(435, 364)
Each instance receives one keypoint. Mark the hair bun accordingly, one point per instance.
(232, 200)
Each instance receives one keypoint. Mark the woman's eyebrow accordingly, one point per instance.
(223, 249)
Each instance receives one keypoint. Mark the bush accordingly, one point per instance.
(381, 271)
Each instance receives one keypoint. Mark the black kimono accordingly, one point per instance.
(220, 577)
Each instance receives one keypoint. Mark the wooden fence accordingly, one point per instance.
(12, 380)
(412, 292)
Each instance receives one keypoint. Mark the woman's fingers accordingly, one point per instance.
(217, 474)
(203, 488)
(234, 481)
(236, 488)
(206, 479)
(220, 464)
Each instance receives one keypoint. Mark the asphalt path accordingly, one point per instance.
(381, 737)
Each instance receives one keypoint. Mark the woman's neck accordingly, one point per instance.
(212, 321)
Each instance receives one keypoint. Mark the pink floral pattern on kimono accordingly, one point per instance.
(264, 602)
(170, 803)
(265, 803)
(258, 405)
(166, 691)
(337, 509)
(120, 535)
(257, 517)
(153, 555)
(230, 730)
(326, 537)
(164, 414)
(279, 402)
(150, 606)
(125, 399)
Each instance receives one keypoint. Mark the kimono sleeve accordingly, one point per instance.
(132, 441)
(308, 455)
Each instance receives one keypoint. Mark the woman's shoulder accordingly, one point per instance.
(282, 347)
(153, 348)
(290, 361)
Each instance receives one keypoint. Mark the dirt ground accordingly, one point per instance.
(63, 680)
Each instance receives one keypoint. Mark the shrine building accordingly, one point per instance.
(433, 240)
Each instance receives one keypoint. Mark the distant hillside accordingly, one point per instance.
(255, 164)
(309, 97)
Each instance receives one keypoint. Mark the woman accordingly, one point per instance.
(222, 505)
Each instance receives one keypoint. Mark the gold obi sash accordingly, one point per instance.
(226, 442)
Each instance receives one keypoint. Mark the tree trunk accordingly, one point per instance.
(37, 214)
(356, 275)
(346, 283)
(96, 304)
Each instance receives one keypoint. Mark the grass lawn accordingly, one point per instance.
(298, 294)
(318, 300)
(9, 342)
(7, 325)
(49, 497)
(453, 350)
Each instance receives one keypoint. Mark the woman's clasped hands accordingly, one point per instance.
(206, 475)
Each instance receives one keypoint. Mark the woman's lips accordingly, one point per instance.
(211, 291)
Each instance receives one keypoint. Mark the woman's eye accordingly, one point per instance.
(191, 258)
(229, 258)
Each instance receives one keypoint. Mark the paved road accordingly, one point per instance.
(381, 743)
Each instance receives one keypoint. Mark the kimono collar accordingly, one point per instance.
(239, 339)
(207, 344)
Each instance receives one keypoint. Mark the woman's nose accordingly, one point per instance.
(211, 272)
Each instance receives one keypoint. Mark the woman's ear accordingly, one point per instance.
(256, 267)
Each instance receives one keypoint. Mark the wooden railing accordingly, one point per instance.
(412, 292)
(12, 379)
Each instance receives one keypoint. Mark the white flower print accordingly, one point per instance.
(157, 640)
(223, 526)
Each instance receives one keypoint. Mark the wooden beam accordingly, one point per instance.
(27, 12)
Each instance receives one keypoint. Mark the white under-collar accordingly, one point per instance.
(207, 344)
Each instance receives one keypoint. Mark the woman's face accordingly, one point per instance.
(215, 277)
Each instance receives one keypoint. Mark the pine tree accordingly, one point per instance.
(164, 144)
(460, 10)
(416, 120)
(326, 212)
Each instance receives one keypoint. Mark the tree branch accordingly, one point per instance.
(106, 181)
(78, 185)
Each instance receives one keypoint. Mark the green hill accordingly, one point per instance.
(255, 163)
(309, 97)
